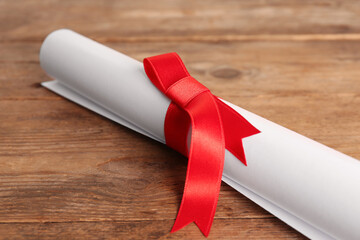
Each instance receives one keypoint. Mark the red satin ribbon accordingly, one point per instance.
(215, 126)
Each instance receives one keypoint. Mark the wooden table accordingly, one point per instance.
(68, 173)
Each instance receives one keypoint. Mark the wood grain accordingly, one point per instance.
(164, 20)
(68, 173)
(153, 229)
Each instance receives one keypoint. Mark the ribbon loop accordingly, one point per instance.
(215, 126)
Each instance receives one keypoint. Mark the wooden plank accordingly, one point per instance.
(271, 79)
(108, 195)
(197, 20)
(62, 163)
(230, 69)
(154, 229)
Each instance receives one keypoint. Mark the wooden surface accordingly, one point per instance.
(68, 173)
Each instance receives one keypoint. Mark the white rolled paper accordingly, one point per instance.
(311, 187)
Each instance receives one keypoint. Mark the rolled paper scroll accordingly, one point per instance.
(311, 187)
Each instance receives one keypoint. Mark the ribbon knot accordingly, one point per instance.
(185, 90)
(215, 126)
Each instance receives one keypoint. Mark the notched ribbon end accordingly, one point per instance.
(204, 227)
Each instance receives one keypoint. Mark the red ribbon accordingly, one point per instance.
(215, 126)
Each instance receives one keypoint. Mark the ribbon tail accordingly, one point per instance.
(205, 165)
(235, 127)
(184, 218)
(177, 124)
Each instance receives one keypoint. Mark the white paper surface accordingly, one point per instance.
(311, 187)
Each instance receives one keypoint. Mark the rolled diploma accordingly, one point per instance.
(311, 187)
